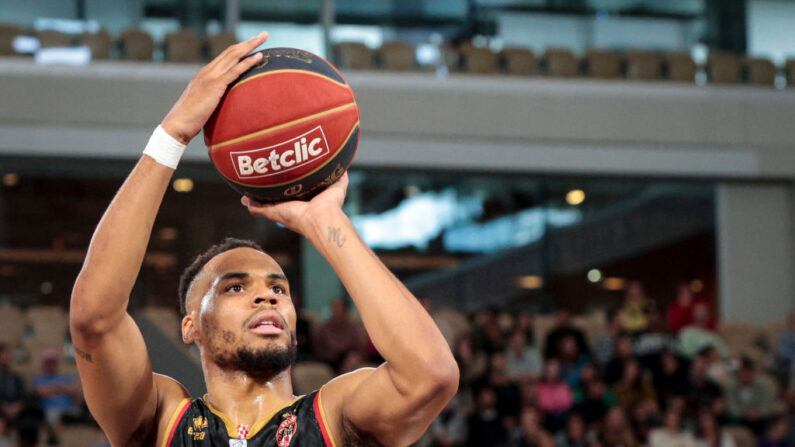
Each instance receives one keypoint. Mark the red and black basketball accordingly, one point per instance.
(286, 129)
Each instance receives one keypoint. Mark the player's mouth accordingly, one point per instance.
(267, 323)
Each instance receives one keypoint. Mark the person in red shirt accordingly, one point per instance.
(680, 311)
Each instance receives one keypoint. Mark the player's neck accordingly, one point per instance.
(246, 399)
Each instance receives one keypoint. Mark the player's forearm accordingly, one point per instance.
(117, 248)
(401, 330)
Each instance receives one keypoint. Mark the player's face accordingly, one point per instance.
(243, 315)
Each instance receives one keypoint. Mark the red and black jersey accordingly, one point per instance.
(198, 424)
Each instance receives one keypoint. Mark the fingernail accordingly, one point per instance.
(244, 201)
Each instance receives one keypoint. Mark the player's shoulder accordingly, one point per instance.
(334, 393)
(172, 400)
(346, 383)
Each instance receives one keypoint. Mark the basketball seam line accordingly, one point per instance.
(347, 139)
(281, 126)
(290, 70)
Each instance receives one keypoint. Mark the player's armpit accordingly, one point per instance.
(367, 403)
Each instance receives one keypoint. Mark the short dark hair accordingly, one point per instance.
(230, 243)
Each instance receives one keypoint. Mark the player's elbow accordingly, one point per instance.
(85, 315)
(443, 377)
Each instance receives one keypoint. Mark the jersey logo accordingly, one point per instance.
(238, 443)
(286, 430)
(198, 429)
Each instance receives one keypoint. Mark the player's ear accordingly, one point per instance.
(188, 329)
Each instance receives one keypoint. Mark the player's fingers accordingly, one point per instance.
(241, 67)
(237, 51)
(232, 54)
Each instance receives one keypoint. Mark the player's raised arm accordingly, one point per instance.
(120, 389)
(395, 403)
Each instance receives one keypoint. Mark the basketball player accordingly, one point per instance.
(239, 313)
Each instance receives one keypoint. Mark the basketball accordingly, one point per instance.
(286, 129)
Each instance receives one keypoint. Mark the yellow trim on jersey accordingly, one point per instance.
(323, 416)
(282, 126)
(291, 70)
(231, 427)
(276, 185)
(173, 421)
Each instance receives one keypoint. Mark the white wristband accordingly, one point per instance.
(164, 149)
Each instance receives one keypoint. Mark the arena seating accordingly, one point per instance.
(136, 45)
(602, 64)
(49, 39)
(183, 46)
(723, 68)
(354, 56)
(596, 63)
(518, 61)
(559, 62)
(217, 43)
(680, 67)
(396, 56)
(642, 65)
(100, 43)
(7, 34)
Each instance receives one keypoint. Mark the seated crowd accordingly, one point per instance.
(652, 378)
(644, 378)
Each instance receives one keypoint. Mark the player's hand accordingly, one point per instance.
(204, 92)
(298, 215)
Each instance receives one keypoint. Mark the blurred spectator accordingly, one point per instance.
(562, 329)
(749, 401)
(555, 397)
(12, 387)
(671, 433)
(337, 335)
(29, 422)
(588, 374)
(351, 361)
(449, 429)
(615, 367)
(524, 323)
(471, 363)
(786, 347)
(572, 360)
(634, 311)
(598, 398)
(5, 441)
(484, 426)
(524, 361)
(645, 418)
(719, 370)
(530, 431)
(699, 335)
(670, 377)
(680, 311)
(57, 392)
(776, 435)
(605, 346)
(650, 344)
(575, 433)
(507, 391)
(303, 337)
(709, 432)
(701, 392)
(616, 430)
(486, 335)
(634, 386)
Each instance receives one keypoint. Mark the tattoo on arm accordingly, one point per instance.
(84, 355)
(336, 237)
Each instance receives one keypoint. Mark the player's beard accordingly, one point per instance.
(263, 362)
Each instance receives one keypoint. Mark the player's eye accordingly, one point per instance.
(235, 288)
(279, 290)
